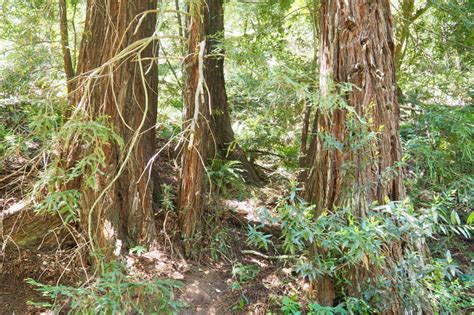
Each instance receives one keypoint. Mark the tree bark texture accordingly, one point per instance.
(195, 131)
(347, 167)
(118, 214)
(26, 229)
(356, 50)
(223, 142)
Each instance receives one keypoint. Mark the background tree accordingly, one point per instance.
(304, 149)
(66, 51)
(223, 143)
(407, 16)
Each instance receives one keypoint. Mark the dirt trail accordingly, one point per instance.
(205, 291)
(207, 286)
(14, 294)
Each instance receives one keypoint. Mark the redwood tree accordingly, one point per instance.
(206, 121)
(223, 141)
(355, 146)
(117, 79)
(195, 130)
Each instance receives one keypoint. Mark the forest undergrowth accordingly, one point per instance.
(140, 174)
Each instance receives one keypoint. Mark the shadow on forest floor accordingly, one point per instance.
(210, 285)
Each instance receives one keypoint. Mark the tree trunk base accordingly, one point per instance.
(23, 228)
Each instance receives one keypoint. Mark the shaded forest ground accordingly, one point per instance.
(216, 282)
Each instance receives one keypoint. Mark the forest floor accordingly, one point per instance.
(225, 277)
(207, 286)
(217, 285)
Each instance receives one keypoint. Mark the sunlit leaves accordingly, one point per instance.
(258, 238)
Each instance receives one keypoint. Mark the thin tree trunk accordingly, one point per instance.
(66, 51)
(305, 151)
(406, 17)
(304, 137)
(178, 18)
(118, 214)
(195, 132)
(223, 142)
(346, 167)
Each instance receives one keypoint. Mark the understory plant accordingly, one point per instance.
(349, 242)
(439, 152)
(115, 292)
(241, 275)
(226, 176)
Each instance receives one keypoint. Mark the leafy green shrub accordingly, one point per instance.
(242, 274)
(257, 238)
(446, 289)
(114, 292)
(26, 126)
(226, 176)
(290, 305)
(449, 222)
(167, 197)
(352, 306)
(66, 203)
(219, 244)
(440, 153)
(316, 309)
(350, 242)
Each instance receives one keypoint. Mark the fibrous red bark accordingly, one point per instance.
(358, 51)
(195, 131)
(355, 147)
(117, 78)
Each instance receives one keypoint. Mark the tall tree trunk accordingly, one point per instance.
(357, 51)
(346, 167)
(122, 87)
(195, 131)
(178, 18)
(66, 51)
(223, 141)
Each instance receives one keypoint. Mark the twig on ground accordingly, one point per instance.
(279, 257)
